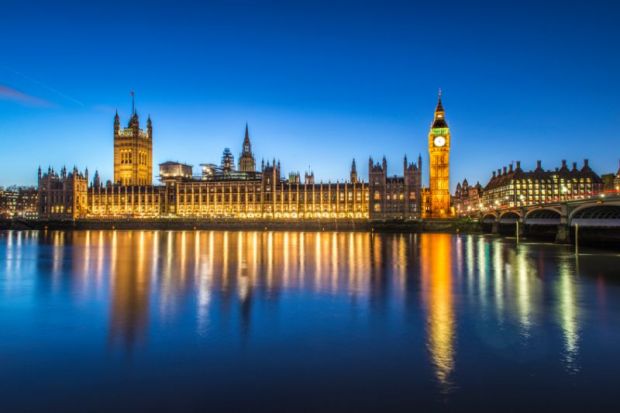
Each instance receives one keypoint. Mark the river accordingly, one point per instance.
(304, 321)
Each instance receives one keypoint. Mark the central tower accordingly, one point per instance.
(439, 165)
(133, 151)
(246, 160)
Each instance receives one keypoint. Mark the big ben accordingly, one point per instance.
(439, 173)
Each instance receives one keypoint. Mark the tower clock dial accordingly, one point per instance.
(439, 141)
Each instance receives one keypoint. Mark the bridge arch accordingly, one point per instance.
(489, 218)
(543, 216)
(509, 217)
(596, 215)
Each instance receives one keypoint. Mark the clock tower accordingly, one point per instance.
(439, 165)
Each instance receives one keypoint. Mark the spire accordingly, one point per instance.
(133, 103)
(439, 120)
(247, 146)
(439, 107)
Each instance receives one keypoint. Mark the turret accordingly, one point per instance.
(117, 123)
(149, 127)
(134, 121)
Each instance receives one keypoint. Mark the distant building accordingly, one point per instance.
(611, 182)
(174, 171)
(515, 187)
(467, 197)
(18, 202)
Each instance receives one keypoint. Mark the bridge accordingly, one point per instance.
(599, 212)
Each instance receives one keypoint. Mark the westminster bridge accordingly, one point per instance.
(598, 215)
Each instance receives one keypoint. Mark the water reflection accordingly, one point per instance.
(226, 281)
(436, 272)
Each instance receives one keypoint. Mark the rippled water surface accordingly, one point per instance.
(292, 321)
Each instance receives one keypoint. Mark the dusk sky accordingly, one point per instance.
(319, 83)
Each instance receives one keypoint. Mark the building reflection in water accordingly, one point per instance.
(436, 274)
(129, 286)
(567, 312)
(222, 279)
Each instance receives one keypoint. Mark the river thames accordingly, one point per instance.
(302, 321)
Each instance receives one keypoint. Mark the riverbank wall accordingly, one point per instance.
(446, 225)
(608, 238)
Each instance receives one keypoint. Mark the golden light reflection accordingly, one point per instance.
(225, 275)
(436, 274)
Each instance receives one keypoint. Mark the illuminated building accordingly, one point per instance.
(467, 197)
(133, 151)
(220, 192)
(240, 191)
(18, 202)
(174, 171)
(439, 165)
(63, 195)
(515, 187)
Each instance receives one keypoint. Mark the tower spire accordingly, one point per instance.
(439, 107)
(133, 103)
(246, 139)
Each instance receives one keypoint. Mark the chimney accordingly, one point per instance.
(510, 168)
(586, 163)
(574, 166)
(493, 174)
(563, 163)
(499, 172)
(518, 164)
(504, 170)
(538, 164)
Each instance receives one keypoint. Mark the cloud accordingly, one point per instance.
(14, 95)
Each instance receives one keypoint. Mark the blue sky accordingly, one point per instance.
(318, 82)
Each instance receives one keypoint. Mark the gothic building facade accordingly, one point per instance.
(240, 191)
(395, 197)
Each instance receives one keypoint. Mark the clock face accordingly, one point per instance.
(439, 141)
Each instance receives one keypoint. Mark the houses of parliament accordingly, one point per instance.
(243, 189)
